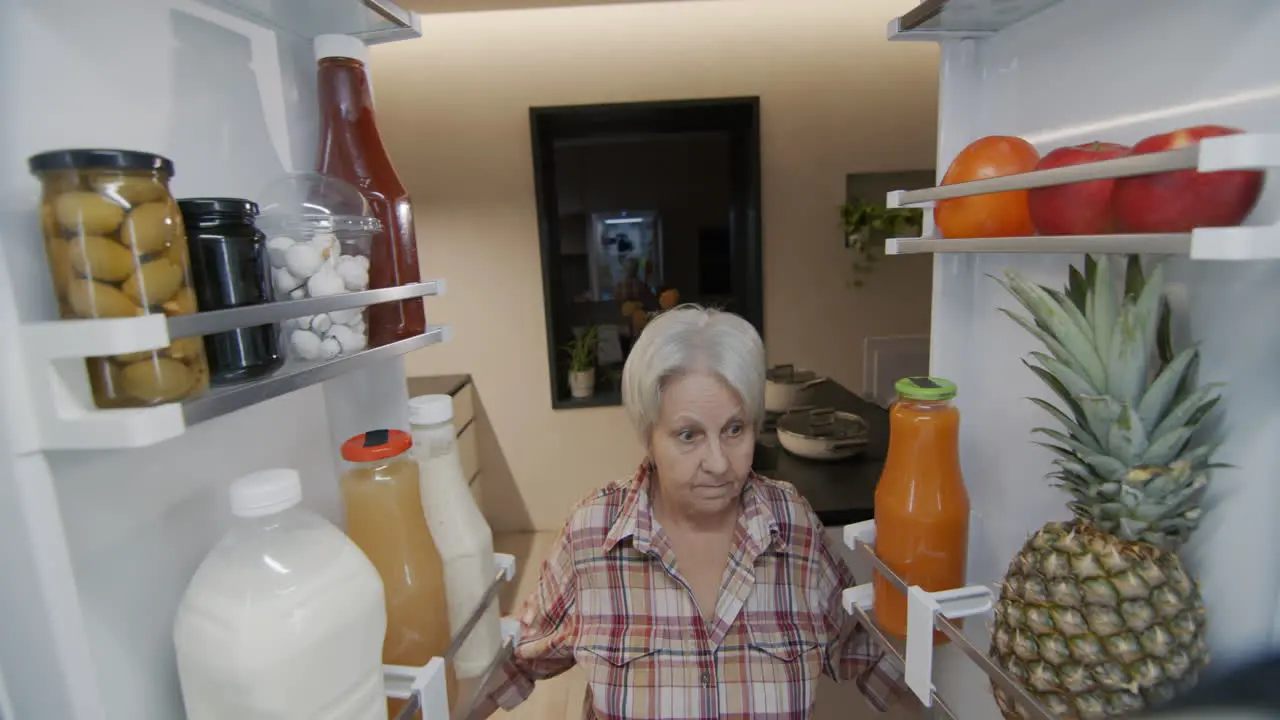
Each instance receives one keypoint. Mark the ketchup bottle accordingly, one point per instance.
(351, 149)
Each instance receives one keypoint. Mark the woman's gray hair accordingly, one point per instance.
(691, 338)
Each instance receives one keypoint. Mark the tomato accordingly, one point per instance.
(1003, 214)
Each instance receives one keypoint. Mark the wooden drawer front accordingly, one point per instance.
(464, 408)
(469, 452)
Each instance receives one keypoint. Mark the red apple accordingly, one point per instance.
(1082, 208)
(1181, 200)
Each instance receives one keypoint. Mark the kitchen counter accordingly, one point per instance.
(841, 492)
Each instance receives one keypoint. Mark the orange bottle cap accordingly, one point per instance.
(376, 445)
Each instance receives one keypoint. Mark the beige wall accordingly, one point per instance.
(453, 106)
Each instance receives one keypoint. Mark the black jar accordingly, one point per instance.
(229, 269)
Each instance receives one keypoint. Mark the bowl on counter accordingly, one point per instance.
(823, 433)
(783, 385)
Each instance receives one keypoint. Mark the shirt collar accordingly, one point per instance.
(635, 518)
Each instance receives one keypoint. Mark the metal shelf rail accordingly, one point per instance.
(927, 611)
(61, 414)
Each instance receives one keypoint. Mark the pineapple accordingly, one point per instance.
(1097, 616)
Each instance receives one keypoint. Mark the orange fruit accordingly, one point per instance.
(1003, 214)
(668, 299)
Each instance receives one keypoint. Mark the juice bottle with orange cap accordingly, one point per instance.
(921, 506)
(384, 517)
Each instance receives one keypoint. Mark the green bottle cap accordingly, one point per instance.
(925, 388)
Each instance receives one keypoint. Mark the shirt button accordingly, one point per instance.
(706, 679)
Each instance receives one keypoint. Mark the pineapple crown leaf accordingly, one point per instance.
(1127, 405)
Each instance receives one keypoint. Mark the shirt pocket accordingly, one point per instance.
(621, 663)
(784, 659)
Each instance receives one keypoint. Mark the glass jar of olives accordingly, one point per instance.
(117, 248)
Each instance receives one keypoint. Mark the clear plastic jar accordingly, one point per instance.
(116, 248)
(319, 231)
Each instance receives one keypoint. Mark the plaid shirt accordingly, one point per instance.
(611, 600)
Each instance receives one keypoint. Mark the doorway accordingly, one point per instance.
(642, 206)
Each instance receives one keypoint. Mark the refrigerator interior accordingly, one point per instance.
(1089, 70)
(96, 547)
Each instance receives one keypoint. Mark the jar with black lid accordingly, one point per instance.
(230, 269)
(116, 249)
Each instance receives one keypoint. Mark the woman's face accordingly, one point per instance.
(702, 444)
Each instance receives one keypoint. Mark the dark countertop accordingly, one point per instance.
(841, 492)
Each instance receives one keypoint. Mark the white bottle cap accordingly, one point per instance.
(430, 409)
(343, 46)
(265, 492)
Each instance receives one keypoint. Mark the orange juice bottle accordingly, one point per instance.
(384, 518)
(922, 509)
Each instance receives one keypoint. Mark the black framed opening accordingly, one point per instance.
(641, 206)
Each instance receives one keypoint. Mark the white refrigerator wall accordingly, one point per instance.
(233, 104)
(1099, 70)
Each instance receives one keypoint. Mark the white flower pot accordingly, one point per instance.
(582, 384)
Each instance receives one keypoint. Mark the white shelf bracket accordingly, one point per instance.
(510, 630)
(426, 682)
(507, 564)
(54, 354)
(860, 596)
(1245, 151)
(922, 608)
(864, 531)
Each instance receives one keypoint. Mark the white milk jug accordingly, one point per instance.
(284, 619)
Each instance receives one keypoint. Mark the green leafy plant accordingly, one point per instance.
(582, 350)
(866, 227)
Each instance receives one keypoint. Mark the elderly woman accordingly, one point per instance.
(694, 589)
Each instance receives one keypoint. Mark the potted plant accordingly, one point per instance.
(866, 226)
(582, 362)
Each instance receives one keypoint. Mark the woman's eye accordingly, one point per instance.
(733, 430)
(685, 436)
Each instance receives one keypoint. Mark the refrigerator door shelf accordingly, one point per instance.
(216, 321)
(373, 21)
(67, 419)
(1231, 243)
(936, 20)
(927, 611)
(1246, 151)
(425, 686)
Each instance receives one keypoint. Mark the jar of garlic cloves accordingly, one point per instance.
(116, 248)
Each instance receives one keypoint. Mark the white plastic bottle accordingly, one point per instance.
(284, 618)
(462, 536)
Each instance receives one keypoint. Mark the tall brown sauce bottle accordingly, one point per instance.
(351, 149)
